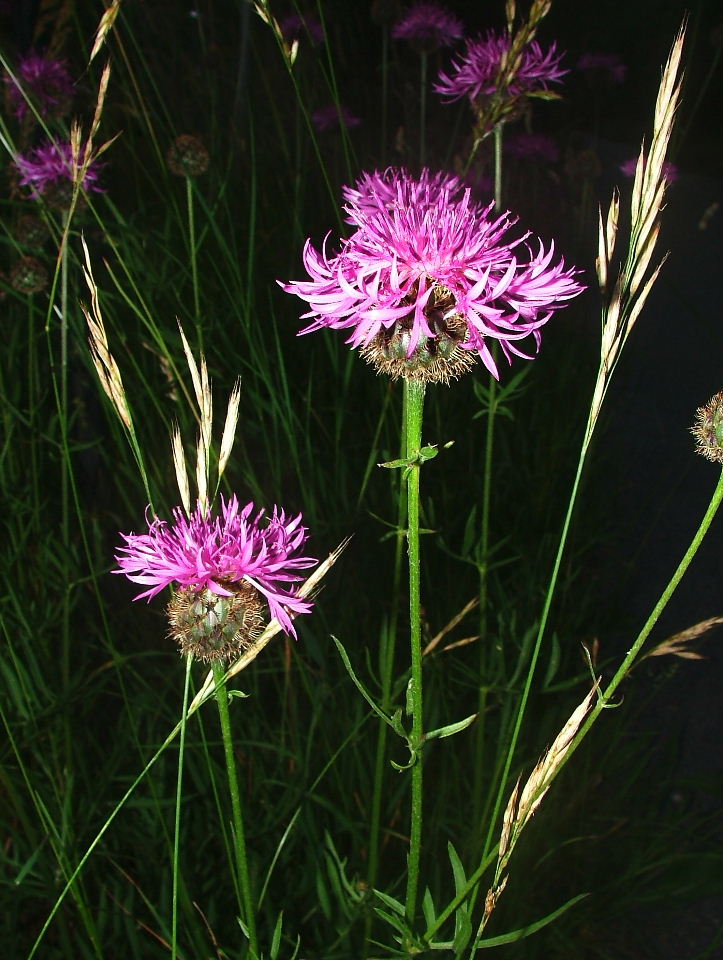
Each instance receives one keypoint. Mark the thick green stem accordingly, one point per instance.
(413, 431)
(244, 881)
(177, 826)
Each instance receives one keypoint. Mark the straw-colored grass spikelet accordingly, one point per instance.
(229, 428)
(103, 361)
(179, 463)
(678, 644)
(104, 28)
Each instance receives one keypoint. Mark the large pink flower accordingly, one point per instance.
(215, 553)
(428, 273)
(475, 72)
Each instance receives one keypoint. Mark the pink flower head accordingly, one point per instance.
(428, 269)
(533, 146)
(332, 116)
(670, 171)
(44, 81)
(429, 25)
(298, 27)
(51, 163)
(381, 189)
(475, 72)
(607, 64)
(206, 552)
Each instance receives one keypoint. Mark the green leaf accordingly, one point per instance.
(523, 932)
(553, 663)
(450, 729)
(360, 687)
(428, 908)
(276, 938)
(390, 902)
(460, 879)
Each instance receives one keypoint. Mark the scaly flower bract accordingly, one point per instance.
(50, 164)
(43, 80)
(203, 552)
(427, 280)
(474, 73)
(429, 26)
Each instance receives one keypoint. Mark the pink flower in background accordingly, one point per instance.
(298, 27)
(51, 164)
(429, 25)
(429, 274)
(608, 64)
(532, 146)
(474, 73)
(331, 116)
(670, 171)
(215, 553)
(46, 82)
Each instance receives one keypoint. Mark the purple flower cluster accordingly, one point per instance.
(50, 164)
(475, 72)
(608, 64)
(430, 25)
(298, 27)
(426, 263)
(203, 552)
(45, 81)
(532, 146)
(332, 116)
(670, 170)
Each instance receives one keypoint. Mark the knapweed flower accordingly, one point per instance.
(427, 281)
(298, 27)
(532, 146)
(475, 73)
(187, 156)
(220, 566)
(48, 171)
(428, 26)
(332, 116)
(45, 81)
(708, 429)
(381, 188)
(670, 171)
(605, 65)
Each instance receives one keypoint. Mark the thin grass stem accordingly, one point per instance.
(177, 825)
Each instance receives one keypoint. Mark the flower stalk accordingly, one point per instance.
(239, 837)
(414, 393)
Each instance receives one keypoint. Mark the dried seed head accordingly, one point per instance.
(187, 156)
(28, 276)
(436, 359)
(31, 231)
(708, 429)
(211, 627)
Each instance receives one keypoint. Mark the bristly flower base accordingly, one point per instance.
(211, 627)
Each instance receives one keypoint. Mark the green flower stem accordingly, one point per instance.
(177, 826)
(194, 265)
(413, 431)
(498, 168)
(238, 831)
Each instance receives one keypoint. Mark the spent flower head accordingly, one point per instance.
(231, 558)
(476, 72)
(49, 169)
(428, 26)
(45, 82)
(428, 279)
(187, 156)
(708, 429)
